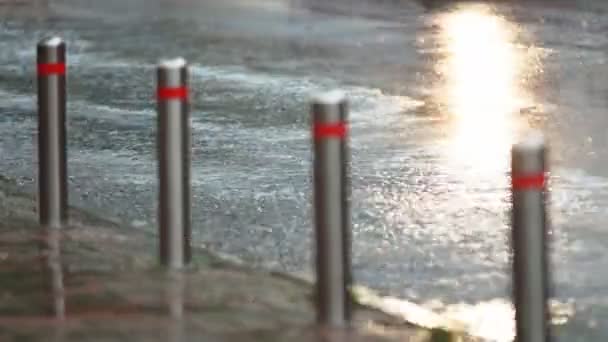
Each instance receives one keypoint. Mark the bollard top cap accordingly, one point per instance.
(172, 63)
(332, 97)
(532, 141)
(52, 41)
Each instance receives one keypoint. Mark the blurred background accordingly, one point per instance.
(439, 90)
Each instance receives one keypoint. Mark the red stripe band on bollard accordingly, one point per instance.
(528, 182)
(46, 69)
(335, 130)
(172, 93)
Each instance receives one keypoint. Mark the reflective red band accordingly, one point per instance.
(172, 93)
(335, 130)
(46, 69)
(528, 182)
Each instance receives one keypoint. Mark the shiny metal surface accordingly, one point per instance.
(332, 210)
(530, 264)
(52, 155)
(174, 164)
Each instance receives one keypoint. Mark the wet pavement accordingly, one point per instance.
(437, 96)
(83, 283)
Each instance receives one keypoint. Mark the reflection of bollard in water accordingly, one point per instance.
(52, 167)
(332, 209)
(175, 302)
(529, 240)
(174, 162)
(52, 253)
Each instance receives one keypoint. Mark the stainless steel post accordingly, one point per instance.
(332, 208)
(529, 240)
(174, 162)
(52, 167)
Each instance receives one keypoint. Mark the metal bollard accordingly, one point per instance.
(52, 167)
(332, 209)
(174, 162)
(529, 240)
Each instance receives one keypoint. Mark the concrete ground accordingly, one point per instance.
(99, 281)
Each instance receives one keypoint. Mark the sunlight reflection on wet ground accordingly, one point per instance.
(437, 98)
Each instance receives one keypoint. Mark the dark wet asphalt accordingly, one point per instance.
(437, 97)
